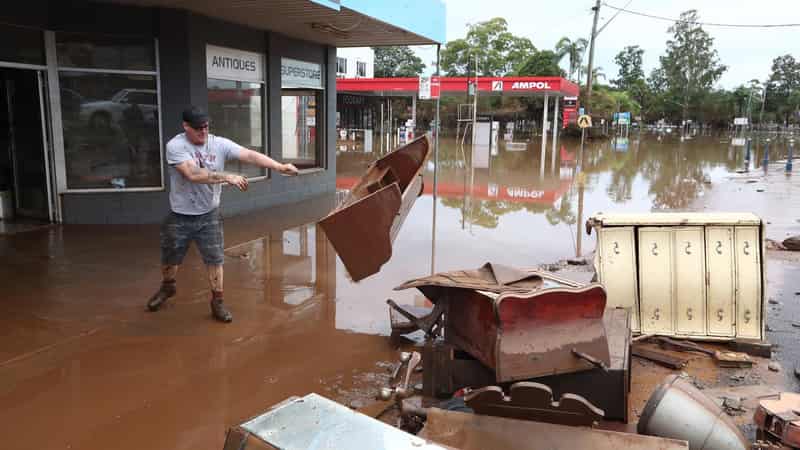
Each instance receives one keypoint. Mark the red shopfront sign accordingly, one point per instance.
(444, 85)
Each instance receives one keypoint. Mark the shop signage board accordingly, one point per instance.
(740, 121)
(300, 74)
(231, 64)
(424, 88)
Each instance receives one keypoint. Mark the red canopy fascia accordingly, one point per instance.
(519, 86)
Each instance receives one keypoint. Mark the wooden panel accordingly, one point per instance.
(720, 269)
(690, 281)
(748, 283)
(618, 270)
(655, 280)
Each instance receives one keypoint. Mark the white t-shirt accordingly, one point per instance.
(190, 198)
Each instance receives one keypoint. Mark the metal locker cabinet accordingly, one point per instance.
(748, 282)
(655, 280)
(690, 281)
(720, 270)
(617, 267)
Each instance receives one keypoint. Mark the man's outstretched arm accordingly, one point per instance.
(262, 160)
(200, 175)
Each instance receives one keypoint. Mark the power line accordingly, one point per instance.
(709, 24)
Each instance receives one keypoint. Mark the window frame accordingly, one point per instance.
(361, 65)
(342, 60)
(319, 98)
(61, 162)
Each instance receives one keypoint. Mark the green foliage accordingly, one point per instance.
(691, 65)
(391, 62)
(574, 50)
(498, 51)
(541, 64)
(631, 74)
(783, 88)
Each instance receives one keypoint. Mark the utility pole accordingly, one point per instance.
(475, 102)
(589, 75)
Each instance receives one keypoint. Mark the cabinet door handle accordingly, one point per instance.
(720, 314)
(688, 246)
(654, 250)
(616, 248)
(747, 315)
(719, 247)
(746, 247)
(657, 314)
(689, 314)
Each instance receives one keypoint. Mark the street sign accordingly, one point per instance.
(581, 110)
(622, 118)
(740, 121)
(584, 121)
(424, 88)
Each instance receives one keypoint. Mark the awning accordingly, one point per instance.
(339, 23)
(513, 86)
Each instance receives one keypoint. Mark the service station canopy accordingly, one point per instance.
(506, 86)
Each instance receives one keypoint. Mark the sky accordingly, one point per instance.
(748, 52)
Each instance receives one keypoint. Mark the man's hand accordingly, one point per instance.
(237, 180)
(288, 169)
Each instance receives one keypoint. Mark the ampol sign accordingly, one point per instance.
(530, 85)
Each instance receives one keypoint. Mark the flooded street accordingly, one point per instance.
(82, 365)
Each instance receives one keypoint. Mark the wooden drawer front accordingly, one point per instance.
(690, 281)
(655, 280)
(720, 269)
(618, 270)
(748, 283)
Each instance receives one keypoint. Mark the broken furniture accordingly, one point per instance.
(475, 432)
(363, 227)
(678, 410)
(408, 319)
(693, 275)
(313, 421)
(778, 420)
(520, 324)
(533, 401)
(723, 358)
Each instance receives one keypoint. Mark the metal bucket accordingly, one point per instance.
(678, 410)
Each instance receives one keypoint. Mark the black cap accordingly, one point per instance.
(195, 116)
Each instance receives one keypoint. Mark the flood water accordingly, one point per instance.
(82, 365)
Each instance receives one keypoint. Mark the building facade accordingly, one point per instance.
(91, 92)
(357, 62)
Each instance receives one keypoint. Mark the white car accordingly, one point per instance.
(102, 113)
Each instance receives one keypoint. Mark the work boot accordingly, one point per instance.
(166, 291)
(218, 309)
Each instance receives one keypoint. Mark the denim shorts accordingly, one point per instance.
(179, 230)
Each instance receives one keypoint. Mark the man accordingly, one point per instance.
(196, 160)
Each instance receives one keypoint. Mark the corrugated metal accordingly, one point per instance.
(673, 219)
(304, 20)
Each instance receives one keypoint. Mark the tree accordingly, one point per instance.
(691, 65)
(541, 64)
(629, 61)
(498, 51)
(392, 62)
(597, 73)
(783, 87)
(574, 50)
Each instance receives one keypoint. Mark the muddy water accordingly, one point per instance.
(83, 366)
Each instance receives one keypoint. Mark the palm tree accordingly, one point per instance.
(597, 73)
(574, 50)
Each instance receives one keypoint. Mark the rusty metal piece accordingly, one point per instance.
(528, 335)
(591, 360)
(363, 227)
(660, 357)
(778, 420)
(475, 432)
(533, 401)
(723, 358)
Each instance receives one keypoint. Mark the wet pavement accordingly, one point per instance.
(82, 365)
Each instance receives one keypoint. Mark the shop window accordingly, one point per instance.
(235, 112)
(105, 52)
(111, 138)
(27, 48)
(300, 119)
(341, 66)
(361, 69)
